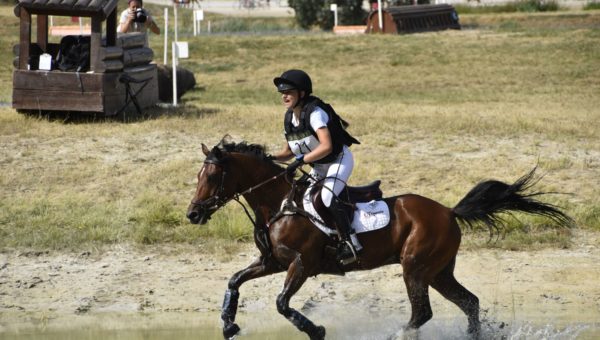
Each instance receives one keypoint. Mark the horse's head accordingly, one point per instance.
(232, 170)
(214, 188)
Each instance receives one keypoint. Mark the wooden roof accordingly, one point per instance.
(90, 8)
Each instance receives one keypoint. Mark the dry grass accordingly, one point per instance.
(435, 113)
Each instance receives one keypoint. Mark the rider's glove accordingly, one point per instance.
(298, 162)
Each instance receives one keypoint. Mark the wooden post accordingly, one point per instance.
(111, 28)
(42, 31)
(95, 42)
(25, 39)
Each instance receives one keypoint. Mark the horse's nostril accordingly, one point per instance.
(192, 215)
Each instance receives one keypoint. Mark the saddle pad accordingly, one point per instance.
(368, 217)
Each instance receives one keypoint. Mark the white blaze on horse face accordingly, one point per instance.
(199, 186)
(207, 187)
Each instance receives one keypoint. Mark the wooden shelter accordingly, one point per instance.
(120, 68)
(413, 19)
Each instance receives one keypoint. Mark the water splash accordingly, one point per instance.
(360, 324)
(550, 332)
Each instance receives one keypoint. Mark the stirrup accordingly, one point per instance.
(349, 260)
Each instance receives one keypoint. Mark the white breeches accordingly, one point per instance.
(336, 175)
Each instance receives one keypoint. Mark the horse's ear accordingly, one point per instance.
(205, 150)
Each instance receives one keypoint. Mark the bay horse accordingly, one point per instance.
(423, 236)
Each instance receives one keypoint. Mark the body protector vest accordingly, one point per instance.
(302, 139)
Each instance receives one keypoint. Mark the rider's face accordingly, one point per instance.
(133, 5)
(290, 98)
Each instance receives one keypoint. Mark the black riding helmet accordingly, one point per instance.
(293, 80)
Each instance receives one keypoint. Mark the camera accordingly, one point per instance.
(140, 16)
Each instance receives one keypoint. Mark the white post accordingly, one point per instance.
(51, 23)
(166, 35)
(174, 53)
(80, 25)
(208, 28)
(194, 19)
(380, 15)
(175, 18)
(333, 8)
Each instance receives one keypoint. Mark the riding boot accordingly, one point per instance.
(350, 245)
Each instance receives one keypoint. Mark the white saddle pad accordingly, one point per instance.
(368, 217)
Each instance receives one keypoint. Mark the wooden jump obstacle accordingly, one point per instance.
(107, 87)
(413, 19)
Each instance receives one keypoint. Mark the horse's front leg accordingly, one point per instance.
(296, 277)
(230, 301)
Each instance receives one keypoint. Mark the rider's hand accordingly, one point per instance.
(298, 162)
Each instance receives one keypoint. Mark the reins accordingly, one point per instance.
(236, 196)
(216, 202)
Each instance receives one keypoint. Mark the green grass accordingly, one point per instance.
(510, 7)
(435, 113)
(592, 5)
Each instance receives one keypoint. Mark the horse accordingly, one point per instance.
(423, 236)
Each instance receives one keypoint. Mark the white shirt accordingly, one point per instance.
(318, 119)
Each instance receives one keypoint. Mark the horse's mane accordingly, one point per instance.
(243, 147)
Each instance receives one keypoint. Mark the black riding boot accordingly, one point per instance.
(349, 249)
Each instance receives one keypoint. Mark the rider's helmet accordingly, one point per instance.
(294, 80)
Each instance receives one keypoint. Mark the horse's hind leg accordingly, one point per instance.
(418, 295)
(414, 273)
(294, 280)
(230, 301)
(446, 284)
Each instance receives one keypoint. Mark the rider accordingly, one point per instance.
(315, 135)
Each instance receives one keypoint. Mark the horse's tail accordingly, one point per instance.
(489, 198)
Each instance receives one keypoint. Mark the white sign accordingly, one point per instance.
(182, 49)
(333, 7)
(45, 62)
(199, 14)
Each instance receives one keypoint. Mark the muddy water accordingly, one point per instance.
(156, 293)
(266, 325)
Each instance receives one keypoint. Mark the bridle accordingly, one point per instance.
(216, 201)
(219, 200)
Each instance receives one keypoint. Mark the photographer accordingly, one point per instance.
(136, 19)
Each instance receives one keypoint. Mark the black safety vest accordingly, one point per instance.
(335, 124)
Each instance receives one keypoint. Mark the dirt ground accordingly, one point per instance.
(182, 286)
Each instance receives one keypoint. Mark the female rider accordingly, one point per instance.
(315, 135)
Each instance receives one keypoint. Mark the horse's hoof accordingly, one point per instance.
(318, 334)
(405, 333)
(474, 331)
(230, 329)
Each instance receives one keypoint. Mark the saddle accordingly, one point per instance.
(363, 193)
(350, 195)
